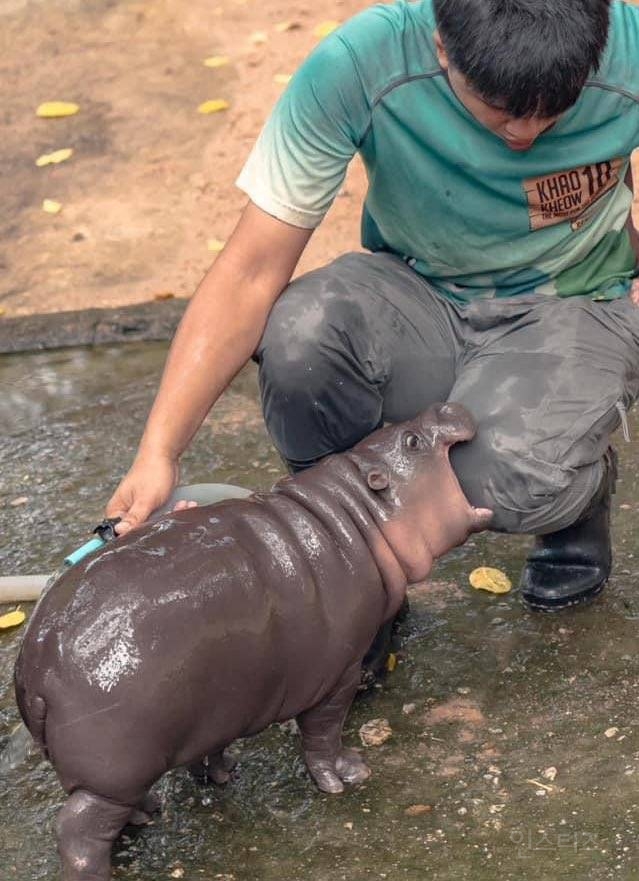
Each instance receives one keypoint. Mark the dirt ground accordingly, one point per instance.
(151, 180)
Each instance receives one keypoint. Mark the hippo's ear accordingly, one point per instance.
(377, 479)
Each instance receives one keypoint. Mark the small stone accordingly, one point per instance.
(409, 709)
(625, 507)
(462, 811)
(549, 773)
(177, 873)
(609, 732)
(463, 690)
(495, 809)
(375, 732)
(21, 500)
(418, 810)
(348, 825)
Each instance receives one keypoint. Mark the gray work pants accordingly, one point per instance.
(366, 340)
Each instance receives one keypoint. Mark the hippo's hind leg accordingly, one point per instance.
(87, 826)
(143, 812)
(214, 768)
(329, 763)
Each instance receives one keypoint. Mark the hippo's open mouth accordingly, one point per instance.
(479, 517)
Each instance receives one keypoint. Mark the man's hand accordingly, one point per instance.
(634, 165)
(220, 330)
(148, 485)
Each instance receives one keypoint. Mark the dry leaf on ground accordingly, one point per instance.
(492, 580)
(216, 61)
(375, 732)
(283, 26)
(55, 157)
(213, 106)
(325, 28)
(56, 109)
(418, 810)
(12, 619)
(50, 206)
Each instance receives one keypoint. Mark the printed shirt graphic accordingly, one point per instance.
(445, 194)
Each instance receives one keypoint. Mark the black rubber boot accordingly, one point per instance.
(572, 566)
(375, 663)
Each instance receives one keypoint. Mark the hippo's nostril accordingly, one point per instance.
(449, 411)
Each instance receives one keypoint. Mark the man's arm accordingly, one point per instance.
(219, 332)
(634, 217)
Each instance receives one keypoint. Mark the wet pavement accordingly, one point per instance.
(515, 746)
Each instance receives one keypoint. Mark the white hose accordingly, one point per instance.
(27, 588)
(21, 588)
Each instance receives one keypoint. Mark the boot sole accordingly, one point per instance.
(542, 604)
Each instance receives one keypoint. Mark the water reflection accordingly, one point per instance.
(485, 700)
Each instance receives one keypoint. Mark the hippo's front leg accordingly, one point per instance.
(329, 763)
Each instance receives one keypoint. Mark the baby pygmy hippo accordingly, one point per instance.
(214, 622)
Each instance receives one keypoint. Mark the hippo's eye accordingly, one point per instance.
(412, 441)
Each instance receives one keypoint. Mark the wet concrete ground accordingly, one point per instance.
(500, 695)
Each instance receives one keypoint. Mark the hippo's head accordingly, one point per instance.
(406, 465)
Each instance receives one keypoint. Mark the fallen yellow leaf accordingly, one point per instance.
(215, 245)
(391, 662)
(2, 310)
(11, 619)
(164, 295)
(325, 28)
(216, 61)
(54, 109)
(213, 106)
(282, 78)
(492, 580)
(51, 206)
(55, 157)
(258, 37)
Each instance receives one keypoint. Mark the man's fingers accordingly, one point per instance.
(183, 504)
(634, 165)
(136, 515)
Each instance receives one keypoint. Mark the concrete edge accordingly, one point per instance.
(154, 320)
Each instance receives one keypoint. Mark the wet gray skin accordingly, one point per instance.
(500, 694)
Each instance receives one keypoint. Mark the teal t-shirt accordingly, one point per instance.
(444, 193)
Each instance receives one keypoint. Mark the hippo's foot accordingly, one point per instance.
(214, 768)
(142, 813)
(331, 774)
(87, 826)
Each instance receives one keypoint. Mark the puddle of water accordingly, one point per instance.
(500, 695)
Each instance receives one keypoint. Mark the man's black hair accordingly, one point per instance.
(529, 57)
